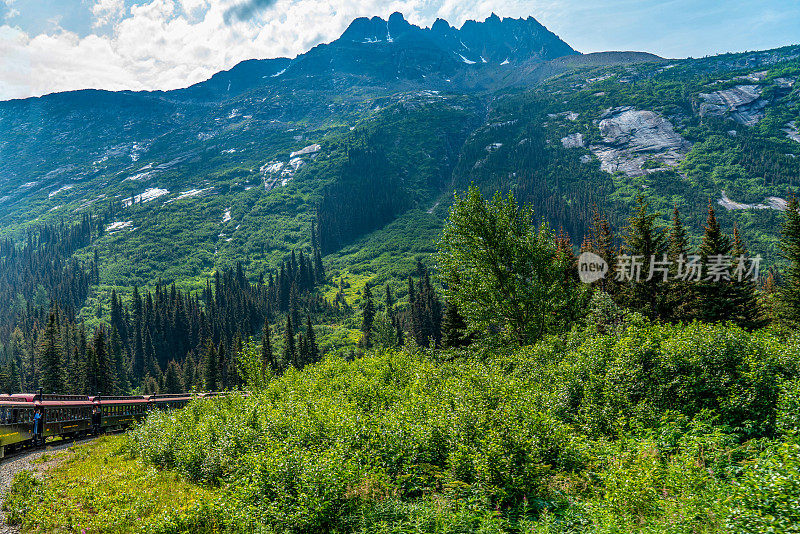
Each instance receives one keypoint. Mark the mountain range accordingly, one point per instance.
(367, 137)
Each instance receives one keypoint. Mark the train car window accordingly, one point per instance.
(14, 416)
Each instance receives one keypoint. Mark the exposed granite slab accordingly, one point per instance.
(633, 137)
(742, 103)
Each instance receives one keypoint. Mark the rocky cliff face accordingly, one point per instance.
(634, 137)
(743, 103)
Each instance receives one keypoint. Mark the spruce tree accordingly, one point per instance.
(644, 242)
(601, 242)
(714, 298)
(311, 340)
(289, 350)
(268, 363)
(399, 334)
(747, 310)
(104, 366)
(211, 370)
(173, 381)
(680, 293)
(13, 377)
(188, 371)
(49, 352)
(455, 333)
(789, 289)
(367, 317)
(389, 301)
(302, 351)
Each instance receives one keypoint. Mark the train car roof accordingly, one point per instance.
(104, 402)
(64, 403)
(22, 397)
(15, 403)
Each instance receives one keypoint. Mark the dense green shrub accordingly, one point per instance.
(633, 376)
(624, 427)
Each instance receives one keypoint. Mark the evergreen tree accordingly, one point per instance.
(289, 350)
(747, 310)
(150, 364)
(789, 289)
(294, 303)
(367, 316)
(173, 381)
(680, 293)
(103, 364)
(389, 300)
(601, 242)
(714, 298)
(118, 361)
(189, 370)
(311, 340)
(302, 350)
(211, 370)
(268, 363)
(13, 377)
(455, 333)
(645, 244)
(232, 372)
(50, 357)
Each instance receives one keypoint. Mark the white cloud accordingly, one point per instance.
(107, 12)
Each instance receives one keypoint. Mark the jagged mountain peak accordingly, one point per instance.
(495, 39)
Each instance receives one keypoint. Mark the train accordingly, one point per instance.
(72, 416)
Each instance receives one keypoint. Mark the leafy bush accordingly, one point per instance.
(633, 376)
(318, 444)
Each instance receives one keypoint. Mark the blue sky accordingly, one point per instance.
(56, 45)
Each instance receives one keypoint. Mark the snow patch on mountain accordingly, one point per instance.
(310, 149)
(119, 225)
(189, 194)
(147, 196)
(59, 190)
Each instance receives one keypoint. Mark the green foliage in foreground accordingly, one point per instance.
(101, 488)
(643, 428)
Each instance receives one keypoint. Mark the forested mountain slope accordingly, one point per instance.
(366, 138)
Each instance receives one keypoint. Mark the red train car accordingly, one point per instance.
(75, 415)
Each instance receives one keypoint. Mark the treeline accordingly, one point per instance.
(164, 340)
(503, 273)
(40, 269)
(420, 320)
(368, 195)
(656, 272)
